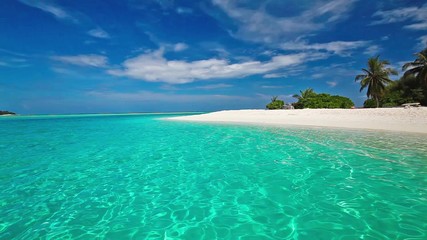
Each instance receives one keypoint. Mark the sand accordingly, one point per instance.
(412, 120)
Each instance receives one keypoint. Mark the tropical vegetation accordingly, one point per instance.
(417, 68)
(375, 78)
(310, 99)
(410, 88)
(6, 113)
(275, 103)
(380, 89)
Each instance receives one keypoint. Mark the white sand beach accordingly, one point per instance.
(412, 120)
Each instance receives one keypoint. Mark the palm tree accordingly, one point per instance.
(418, 68)
(375, 78)
(274, 98)
(309, 92)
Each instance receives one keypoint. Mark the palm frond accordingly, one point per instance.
(359, 77)
(412, 71)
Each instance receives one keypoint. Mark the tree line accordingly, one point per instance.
(310, 99)
(380, 89)
(383, 92)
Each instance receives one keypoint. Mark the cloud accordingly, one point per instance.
(214, 86)
(13, 53)
(275, 75)
(258, 25)
(416, 15)
(337, 47)
(184, 10)
(154, 67)
(180, 47)
(149, 96)
(422, 44)
(13, 62)
(13, 59)
(56, 11)
(417, 26)
(98, 33)
(91, 60)
(332, 83)
(167, 47)
(318, 75)
(372, 50)
(295, 70)
(271, 87)
(333, 72)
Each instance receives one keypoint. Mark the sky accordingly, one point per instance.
(113, 56)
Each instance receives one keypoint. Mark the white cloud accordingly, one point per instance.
(422, 44)
(214, 86)
(337, 47)
(318, 75)
(259, 25)
(13, 63)
(416, 15)
(16, 54)
(295, 70)
(275, 75)
(417, 26)
(184, 10)
(148, 96)
(372, 50)
(271, 87)
(332, 83)
(180, 47)
(154, 67)
(12, 59)
(91, 60)
(98, 33)
(50, 8)
(167, 47)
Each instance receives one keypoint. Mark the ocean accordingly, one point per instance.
(138, 176)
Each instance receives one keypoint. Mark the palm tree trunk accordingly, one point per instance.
(378, 102)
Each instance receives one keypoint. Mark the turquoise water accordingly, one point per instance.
(138, 177)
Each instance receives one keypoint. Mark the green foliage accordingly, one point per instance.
(418, 67)
(408, 89)
(412, 87)
(370, 103)
(310, 99)
(275, 103)
(6, 112)
(375, 78)
(309, 92)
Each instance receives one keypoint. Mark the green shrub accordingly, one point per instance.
(323, 100)
(369, 103)
(278, 104)
(6, 112)
(275, 103)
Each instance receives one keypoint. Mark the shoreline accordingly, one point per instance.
(411, 120)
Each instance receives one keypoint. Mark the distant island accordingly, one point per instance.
(7, 113)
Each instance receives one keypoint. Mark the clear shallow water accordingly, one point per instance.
(137, 177)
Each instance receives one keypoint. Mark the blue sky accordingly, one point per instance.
(163, 55)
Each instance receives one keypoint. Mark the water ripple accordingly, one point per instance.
(135, 177)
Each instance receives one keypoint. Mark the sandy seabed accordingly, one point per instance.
(412, 120)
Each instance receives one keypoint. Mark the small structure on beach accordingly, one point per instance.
(408, 105)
